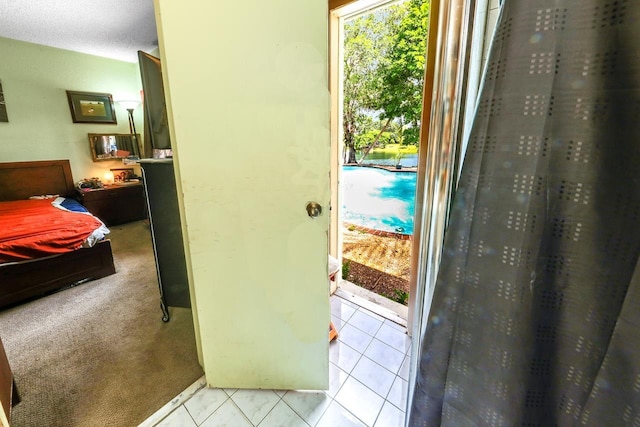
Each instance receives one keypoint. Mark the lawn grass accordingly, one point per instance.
(397, 149)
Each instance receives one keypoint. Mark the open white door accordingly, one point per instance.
(248, 105)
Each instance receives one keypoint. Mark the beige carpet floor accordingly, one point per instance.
(98, 354)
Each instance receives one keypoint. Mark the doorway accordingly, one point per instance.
(456, 48)
(373, 250)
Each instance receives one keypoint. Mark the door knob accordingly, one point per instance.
(314, 209)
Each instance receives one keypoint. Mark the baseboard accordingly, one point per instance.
(164, 412)
(378, 309)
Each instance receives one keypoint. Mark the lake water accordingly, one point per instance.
(378, 199)
(386, 159)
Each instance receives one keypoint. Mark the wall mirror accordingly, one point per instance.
(113, 146)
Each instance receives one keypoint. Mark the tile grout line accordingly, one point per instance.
(355, 379)
(246, 417)
(371, 306)
(396, 375)
(174, 403)
(300, 415)
(267, 414)
(185, 396)
(349, 375)
(211, 414)
(365, 386)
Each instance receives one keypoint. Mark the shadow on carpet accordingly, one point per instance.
(98, 354)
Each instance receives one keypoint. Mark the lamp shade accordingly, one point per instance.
(129, 104)
(108, 178)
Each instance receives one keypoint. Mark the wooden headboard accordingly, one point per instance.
(21, 180)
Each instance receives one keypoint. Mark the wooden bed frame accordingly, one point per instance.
(26, 280)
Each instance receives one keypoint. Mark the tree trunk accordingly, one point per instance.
(351, 155)
(349, 136)
(375, 141)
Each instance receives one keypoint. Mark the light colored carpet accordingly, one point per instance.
(99, 354)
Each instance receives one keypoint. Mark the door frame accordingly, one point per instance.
(452, 77)
(335, 89)
(452, 81)
(338, 11)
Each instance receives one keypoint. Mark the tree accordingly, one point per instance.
(367, 40)
(383, 73)
(402, 75)
(366, 139)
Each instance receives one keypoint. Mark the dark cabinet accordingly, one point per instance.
(116, 204)
(8, 393)
(166, 233)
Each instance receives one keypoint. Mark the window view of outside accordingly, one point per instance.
(384, 58)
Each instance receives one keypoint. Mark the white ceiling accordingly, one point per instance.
(111, 28)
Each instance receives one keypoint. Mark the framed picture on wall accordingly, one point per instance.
(91, 107)
(3, 107)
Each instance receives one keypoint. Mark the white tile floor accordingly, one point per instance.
(369, 368)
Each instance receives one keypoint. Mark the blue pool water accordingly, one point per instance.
(379, 199)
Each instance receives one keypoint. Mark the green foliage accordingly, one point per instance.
(398, 158)
(397, 149)
(385, 53)
(366, 138)
(399, 296)
(345, 269)
(403, 73)
(367, 40)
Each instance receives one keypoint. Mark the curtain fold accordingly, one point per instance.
(535, 316)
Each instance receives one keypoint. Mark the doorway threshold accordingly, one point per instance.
(378, 304)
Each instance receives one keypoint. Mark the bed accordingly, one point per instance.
(22, 280)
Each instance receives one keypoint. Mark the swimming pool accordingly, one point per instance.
(379, 199)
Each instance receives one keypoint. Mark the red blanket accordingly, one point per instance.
(34, 228)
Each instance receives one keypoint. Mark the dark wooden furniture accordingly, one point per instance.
(26, 280)
(166, 233)
(8, 393)
(116, 204)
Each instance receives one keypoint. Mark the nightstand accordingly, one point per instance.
(116, 204)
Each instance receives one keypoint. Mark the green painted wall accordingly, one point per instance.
(35, 79)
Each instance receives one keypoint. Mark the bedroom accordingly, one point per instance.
(40, 127)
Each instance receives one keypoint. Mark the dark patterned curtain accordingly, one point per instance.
(535, 319)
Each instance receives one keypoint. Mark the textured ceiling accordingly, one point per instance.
(111, 28)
